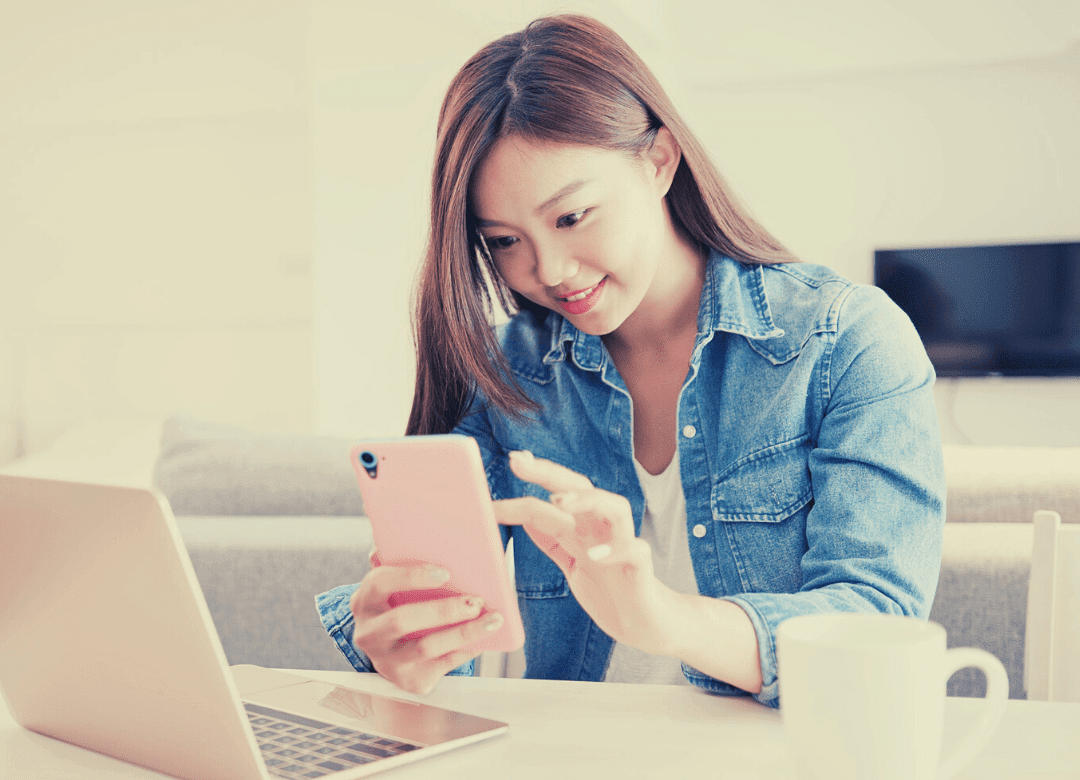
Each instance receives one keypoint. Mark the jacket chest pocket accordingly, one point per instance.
(536, 575)
(760, 505)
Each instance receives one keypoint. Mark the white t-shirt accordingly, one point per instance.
(664, 528)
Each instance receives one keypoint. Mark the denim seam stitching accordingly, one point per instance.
(768, 451)
(778, 516)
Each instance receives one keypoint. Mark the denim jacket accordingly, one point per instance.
(808, 446)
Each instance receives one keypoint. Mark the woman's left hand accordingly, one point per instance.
(589, 534)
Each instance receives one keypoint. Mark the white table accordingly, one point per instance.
(566, 730)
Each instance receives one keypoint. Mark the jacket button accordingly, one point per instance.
(689, 431)
(699, 530)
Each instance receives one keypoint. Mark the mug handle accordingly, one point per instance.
(993, 708)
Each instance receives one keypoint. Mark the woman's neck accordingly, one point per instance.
(668, 313)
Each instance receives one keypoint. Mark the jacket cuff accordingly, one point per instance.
(337, 619)
(769, 694)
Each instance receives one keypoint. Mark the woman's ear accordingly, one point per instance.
(663, 158)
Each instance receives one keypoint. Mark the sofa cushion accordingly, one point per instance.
(210, 469)
(989, 484)
(981, 598)
(260, 575)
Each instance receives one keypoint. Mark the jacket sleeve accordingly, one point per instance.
(874, 531)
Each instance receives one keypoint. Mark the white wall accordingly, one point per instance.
(839, 165)
(156, 205)
(218, 207)
(845, 126)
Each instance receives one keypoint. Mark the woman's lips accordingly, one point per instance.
(583, 300)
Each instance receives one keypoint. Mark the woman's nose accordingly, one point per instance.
(554, 267)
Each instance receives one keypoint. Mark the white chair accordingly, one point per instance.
(1052, 641)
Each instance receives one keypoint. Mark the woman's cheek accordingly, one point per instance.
(512, 277)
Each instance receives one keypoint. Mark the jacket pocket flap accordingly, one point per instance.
(765, 486)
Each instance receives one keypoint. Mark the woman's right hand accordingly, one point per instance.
(383, 632)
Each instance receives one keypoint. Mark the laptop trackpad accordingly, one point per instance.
(250, 679)
(383, 715)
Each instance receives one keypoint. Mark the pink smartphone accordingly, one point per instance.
(428, 502)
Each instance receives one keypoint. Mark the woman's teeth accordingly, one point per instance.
(580, 296)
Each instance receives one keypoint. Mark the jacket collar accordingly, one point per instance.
(733, 299)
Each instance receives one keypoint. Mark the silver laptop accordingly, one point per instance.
(106, 642)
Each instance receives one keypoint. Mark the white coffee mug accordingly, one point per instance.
(862, 696)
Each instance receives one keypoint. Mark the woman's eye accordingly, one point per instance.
(501, 242)
(569, 220)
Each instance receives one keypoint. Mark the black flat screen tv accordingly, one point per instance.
(1006, 310)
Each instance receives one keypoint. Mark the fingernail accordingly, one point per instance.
(493, 621)
(599, 552)
(437, 575)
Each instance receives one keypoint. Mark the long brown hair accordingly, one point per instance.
(564, 79)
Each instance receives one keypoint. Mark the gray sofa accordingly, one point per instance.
(270, 521)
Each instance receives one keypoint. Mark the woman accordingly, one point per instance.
(689, 436)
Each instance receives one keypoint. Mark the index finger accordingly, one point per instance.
(547, 474)
(382, 582)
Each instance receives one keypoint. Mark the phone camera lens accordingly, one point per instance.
(370, 462)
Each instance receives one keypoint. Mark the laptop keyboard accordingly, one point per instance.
(297, 747)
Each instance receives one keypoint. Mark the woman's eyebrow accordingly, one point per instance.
(565, 192)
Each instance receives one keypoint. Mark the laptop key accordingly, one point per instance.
(347, 747)
(292, 720)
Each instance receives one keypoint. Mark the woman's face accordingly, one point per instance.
(577, 229)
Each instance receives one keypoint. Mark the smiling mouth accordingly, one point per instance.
(583, 300)
(580, 296)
